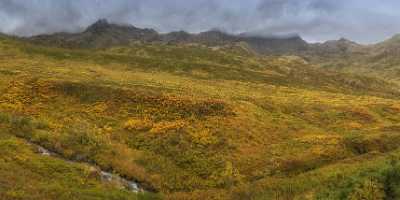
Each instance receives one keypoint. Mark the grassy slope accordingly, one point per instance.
(191, 122)
(378, 60)
(27, 175)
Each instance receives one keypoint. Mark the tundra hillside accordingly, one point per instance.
(188, 120)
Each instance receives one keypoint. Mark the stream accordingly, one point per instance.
(105, 176)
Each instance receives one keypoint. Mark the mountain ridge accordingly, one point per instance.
(342, 54)
(103, 34)
(132, 32)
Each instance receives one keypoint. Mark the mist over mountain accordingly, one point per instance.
(315, 20)
(104, 34)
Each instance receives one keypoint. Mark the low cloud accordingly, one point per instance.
(316, 20)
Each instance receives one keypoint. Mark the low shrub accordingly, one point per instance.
(368, 190)
(22, 126)
(204, 137)
(164, 127)
(138, 125)
(4, 118)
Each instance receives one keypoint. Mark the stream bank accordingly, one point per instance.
(105, 176)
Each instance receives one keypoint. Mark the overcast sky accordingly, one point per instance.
(364, 21)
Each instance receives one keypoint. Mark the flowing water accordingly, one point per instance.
(107, 177)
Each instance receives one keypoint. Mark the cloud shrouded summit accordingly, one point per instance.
(316, 20)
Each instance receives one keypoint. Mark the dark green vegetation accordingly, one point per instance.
(190, 121)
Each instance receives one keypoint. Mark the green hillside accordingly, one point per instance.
(376, 60)
(188, 121)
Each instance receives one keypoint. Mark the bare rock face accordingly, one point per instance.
(99, 26)
(277, 45)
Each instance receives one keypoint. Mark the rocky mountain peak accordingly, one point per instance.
(99, 25)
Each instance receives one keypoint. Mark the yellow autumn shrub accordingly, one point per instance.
(204, 137)
(354, 125)
(163, 127)
(138, 125)
(99, 107)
